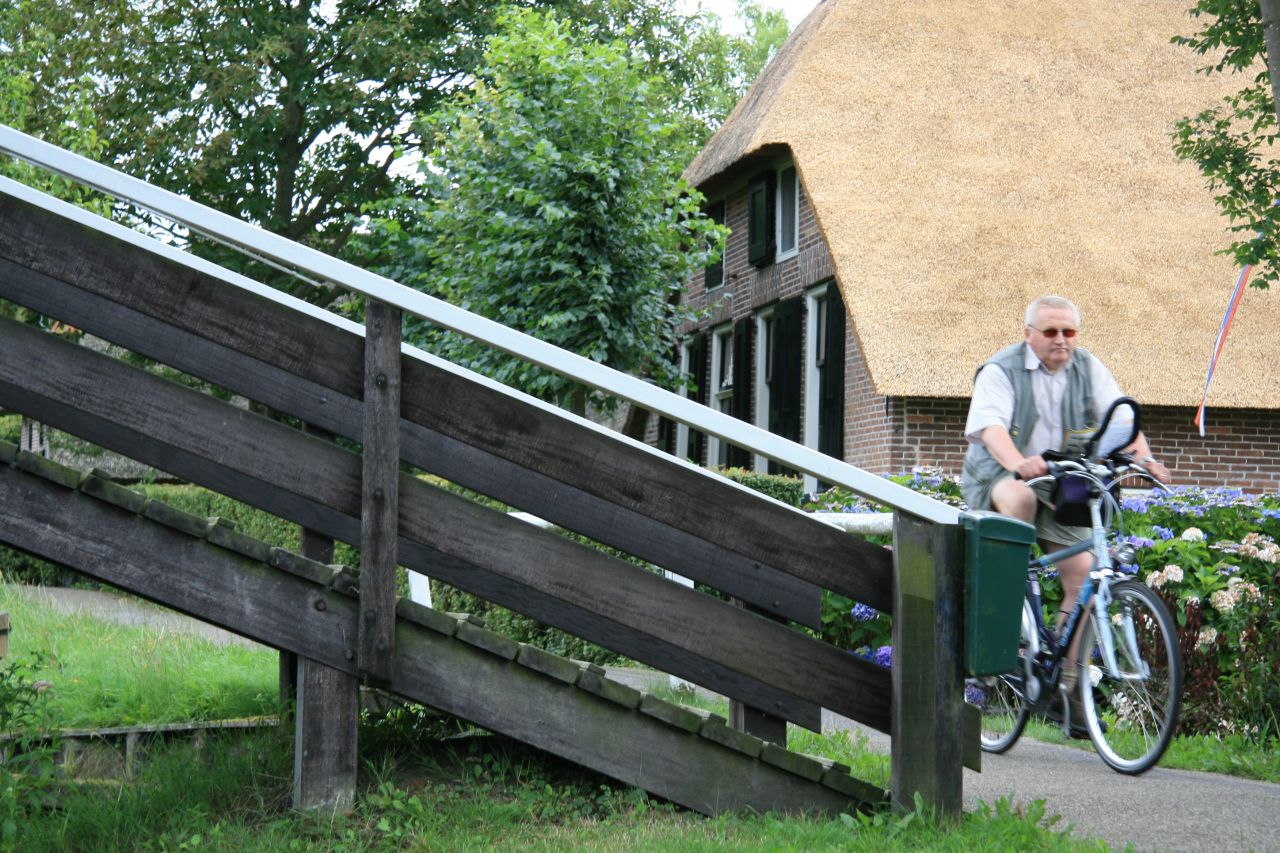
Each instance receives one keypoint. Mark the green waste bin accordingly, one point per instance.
(996, 552)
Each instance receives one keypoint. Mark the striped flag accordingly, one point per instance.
(1222, 338)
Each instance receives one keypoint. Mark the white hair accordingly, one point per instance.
(1050, 302)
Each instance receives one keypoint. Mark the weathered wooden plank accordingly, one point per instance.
(928, 677)
(380, 492)
(558, 502)
(326, 720)
(455, 406)
(534, 571)
(280, 609)
(325, 758)
(754, 721)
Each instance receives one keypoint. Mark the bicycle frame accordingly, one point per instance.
(1095, 591)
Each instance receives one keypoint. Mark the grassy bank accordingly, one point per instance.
(471, 793)
(105, 674)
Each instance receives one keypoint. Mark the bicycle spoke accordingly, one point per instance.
(1133, 709)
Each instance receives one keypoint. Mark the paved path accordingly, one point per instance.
(1162, 810)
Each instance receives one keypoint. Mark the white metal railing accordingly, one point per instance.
(310, 263)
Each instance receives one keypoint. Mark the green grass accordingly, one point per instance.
(104, 674)
(473, 793)
(1232, 754)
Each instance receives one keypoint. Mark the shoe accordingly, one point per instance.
(1078, 730)
(1070, 697)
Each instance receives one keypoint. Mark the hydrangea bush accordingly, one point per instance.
(1213, 555)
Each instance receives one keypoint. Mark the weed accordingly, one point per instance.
(27, 757)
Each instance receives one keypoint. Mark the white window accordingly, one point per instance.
(683, 450)
(788, 217)
(721, 388)
(815, 328)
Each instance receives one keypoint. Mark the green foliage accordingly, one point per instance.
(27, 770)
(789, 490)
(558, 212)
(1231, 143)
(1212, 555)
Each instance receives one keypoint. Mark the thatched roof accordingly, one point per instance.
(963, 157)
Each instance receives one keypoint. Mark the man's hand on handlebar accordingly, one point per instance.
(1031, 467)
(1158, 470)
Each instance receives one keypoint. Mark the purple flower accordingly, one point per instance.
(974, 694)
(1163, 532)
(1140, 541)
(1135, 504)
(864, 612)
(884, 657)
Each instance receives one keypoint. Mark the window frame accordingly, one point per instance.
(780, 209)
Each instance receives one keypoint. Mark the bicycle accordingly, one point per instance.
(1129, 666)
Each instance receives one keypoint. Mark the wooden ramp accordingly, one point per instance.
(393, 409)
(205, 568)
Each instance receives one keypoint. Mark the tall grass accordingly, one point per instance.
(104, 674)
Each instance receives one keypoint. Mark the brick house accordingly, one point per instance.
(904, 178)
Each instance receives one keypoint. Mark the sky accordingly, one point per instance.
(795, 10)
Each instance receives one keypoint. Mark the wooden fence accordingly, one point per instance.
(405, 408)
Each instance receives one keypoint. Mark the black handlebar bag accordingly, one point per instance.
(1070, 499)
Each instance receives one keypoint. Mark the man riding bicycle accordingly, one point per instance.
(1042, 394)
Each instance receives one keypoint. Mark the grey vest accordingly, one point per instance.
(980, 468)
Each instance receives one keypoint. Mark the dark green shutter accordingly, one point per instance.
(831, 380)
(784, 373)
(760, 215)
(700, 392)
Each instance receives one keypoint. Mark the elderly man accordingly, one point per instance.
(1032, 397)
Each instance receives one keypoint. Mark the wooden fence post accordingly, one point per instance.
(326, 712)
(928, 677)
(756, 721)
(379, 523)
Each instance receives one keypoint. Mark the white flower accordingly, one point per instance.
(1155, 580)
(1192, 534)
(1207, 636)
(1224, 600)
(1173, 572)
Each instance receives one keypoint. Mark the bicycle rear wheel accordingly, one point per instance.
(1131, 713)
(1001, 698)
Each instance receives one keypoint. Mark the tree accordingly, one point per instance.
(293, 114)
(1231, 143)
(68, 121)
(558, 209)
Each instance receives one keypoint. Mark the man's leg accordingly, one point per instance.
(1014, 498)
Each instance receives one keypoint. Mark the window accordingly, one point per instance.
(761, 230)
(692, 444)
(788, 219)
(713, 276)
(722, 376)
(731, 388)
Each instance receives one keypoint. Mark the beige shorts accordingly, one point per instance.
(1046, 527)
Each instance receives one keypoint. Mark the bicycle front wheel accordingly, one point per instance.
(1131, 701)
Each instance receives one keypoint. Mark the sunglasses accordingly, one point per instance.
(1053, 333)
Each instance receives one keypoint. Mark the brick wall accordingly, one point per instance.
(1241, 447)
(747, 288)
